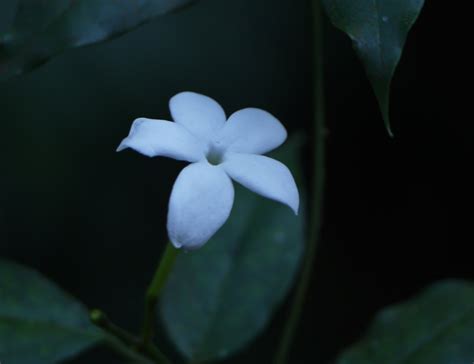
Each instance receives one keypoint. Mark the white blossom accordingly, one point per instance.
(220, 151)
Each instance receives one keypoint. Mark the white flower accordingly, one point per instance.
(219, 151)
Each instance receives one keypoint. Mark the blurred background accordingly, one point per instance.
(397, 213)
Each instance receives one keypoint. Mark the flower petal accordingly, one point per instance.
(163, 138)
(200, 203)
(252, 131)
(200, 114)
(265, 176)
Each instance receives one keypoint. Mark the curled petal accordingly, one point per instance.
(200, 203)
(200, 114)
(163, 138)
(265, 176)
(251, 131)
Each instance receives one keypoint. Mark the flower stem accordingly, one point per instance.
(142, 349)
(154, 290)
(126, 352)
(101, 320)
(125, 343)
(317, 182)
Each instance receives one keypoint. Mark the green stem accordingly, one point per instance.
(121, 341)
(127, 344)
(101, 320)
(154, 290)
(126, 352)
(317, 182)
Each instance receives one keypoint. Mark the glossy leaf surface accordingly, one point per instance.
(435, 327)
(378, 29)
(39, 323)
(45, 28)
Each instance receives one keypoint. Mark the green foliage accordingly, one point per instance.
(378, 29)
(436, 327)
(220, 297)
(39, 324)
(44, 28)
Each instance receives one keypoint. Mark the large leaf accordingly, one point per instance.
(378, 29)
(437, 327)
(39, 324)
(44, 28)
(220, 297)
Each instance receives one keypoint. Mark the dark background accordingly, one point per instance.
(398, 212)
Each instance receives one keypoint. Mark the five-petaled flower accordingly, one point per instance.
(219, 151)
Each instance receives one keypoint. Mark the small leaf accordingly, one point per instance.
(222, 296)
(45, 28)
(39, 324)
(436, 327)
(378, 29)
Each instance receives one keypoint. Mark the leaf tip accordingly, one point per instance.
(389, 129)
(383, 99)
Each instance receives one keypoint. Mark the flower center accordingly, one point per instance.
(215, 154)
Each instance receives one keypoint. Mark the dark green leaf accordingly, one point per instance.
(378, 29)
(221, 297)
(436, 327)
(39, 324)
(44, 28)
